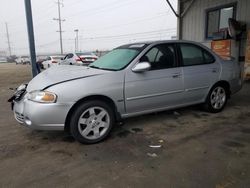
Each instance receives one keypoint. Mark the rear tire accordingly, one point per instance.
(91, 122)
(216, 99)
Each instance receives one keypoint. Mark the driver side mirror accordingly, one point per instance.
(141, 67)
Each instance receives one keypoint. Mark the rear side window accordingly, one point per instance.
(208, 58)
(194, 55)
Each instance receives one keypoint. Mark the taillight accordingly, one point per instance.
(54, 61)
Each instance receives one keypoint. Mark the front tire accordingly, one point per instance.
(91, 122)
(216, 99)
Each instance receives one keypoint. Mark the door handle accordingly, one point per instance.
(214, 70)
(176, 75)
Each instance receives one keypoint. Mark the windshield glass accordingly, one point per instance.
(116, 59)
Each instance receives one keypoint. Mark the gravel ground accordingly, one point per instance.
(197, 149)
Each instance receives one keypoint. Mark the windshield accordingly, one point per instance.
(116, 59)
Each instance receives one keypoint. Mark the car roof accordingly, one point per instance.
(162, 41)
(144, 44)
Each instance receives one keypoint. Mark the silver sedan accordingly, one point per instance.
(130, 80)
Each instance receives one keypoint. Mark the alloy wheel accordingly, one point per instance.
(93, 123)
(218, 97)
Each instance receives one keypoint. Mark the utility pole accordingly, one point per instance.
(59, 4)
(80, 44)
(76, 41)
(8, 38)
(35, 69)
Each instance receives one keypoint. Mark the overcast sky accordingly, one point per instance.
(102, 25)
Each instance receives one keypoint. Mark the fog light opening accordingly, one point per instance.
(28, 122)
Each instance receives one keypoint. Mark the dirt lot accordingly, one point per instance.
(198, 149)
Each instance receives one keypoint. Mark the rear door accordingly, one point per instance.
(200, 71)
(160, 87)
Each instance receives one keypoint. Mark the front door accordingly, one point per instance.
(160, 87)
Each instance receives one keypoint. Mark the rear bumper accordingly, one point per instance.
(40, 116)
(235, 85)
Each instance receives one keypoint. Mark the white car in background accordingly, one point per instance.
(79, 58)
(23, 60)
(3, 60)
(52, 61)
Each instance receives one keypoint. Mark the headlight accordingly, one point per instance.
(42, 96)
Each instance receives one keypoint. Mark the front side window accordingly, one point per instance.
(217, 19)
(160, 57)
(194, 55)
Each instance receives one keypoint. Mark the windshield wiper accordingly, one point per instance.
(93, 66)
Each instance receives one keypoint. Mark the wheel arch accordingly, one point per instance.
(224, 83)
(103, 98)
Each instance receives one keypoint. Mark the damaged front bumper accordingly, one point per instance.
(39, 116)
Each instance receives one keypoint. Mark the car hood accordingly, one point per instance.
(59, 74)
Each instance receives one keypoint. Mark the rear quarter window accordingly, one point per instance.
(208, 58)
